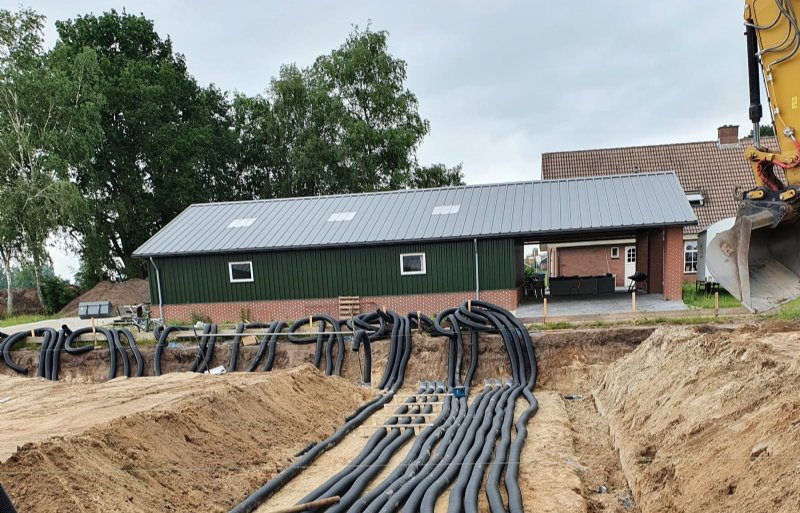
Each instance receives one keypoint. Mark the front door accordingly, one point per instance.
(630, 263)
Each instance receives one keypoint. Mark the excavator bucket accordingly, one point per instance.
(758, 260)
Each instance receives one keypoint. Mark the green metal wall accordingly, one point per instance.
(358, 271)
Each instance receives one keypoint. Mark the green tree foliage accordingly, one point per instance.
(166, 139)
(763, 130)
(48, 132)
(345, 124)
(108, 136)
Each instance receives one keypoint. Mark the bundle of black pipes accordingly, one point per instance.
(456, 447)
(55, 341)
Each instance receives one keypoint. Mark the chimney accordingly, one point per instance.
(728, 134)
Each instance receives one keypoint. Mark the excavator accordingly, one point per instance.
(758, 259)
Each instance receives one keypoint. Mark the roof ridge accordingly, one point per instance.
(662, 145)
(412, 191)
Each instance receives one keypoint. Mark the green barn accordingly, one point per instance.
(407, 250)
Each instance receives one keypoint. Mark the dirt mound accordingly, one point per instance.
(183, 442)
(708, 422)
(25, 301)
(129, 292)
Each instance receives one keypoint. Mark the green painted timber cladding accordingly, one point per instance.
(333, 272)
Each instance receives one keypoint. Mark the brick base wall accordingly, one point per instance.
(292, 309)
(592, 261)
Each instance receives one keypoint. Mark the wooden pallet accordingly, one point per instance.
(349, 306)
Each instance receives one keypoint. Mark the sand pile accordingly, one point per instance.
(186, 442)
(131, 292)
(708, 422)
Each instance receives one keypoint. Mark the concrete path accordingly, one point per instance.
(73, 323)
(603, 304)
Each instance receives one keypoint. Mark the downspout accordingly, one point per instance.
(158, 284)
(477, 274)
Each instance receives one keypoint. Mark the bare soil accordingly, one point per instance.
(25, 301)
(180, 442)
(709, 421)
(693, 419)
(130, 292)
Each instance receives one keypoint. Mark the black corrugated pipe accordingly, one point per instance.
(8, 345)
(234, 349)
(163, 341)
(263, 348)
(273, 344)
(360, 338)
(137, 355)
(5, 502)
(112, 349)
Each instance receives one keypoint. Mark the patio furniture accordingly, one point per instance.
(637, 278)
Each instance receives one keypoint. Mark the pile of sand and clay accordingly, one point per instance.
(709, 420)
(181, 442)
(130, 292)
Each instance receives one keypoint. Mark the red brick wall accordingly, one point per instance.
(655, 243)
(673, 263)
(296, 309)
(591, 261)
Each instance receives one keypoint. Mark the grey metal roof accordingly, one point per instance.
(531, 209)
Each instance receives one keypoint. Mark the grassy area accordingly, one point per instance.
(700, 299)
(23, 319)
(789, 311)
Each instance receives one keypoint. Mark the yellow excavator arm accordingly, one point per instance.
(773, 41)
(758, 260)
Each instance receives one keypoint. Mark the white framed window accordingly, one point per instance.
(690, 256)
(240, 272)
(695, 198)
(630, 255)
(615, 252)
(412, 263)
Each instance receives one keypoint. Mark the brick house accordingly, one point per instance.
(713, 175)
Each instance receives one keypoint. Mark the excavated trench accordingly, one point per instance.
(629, 419)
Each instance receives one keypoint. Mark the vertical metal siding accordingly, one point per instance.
(367, 271)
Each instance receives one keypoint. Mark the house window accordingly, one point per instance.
(695, 198)
(615, 252)
(690, 256)
(630, 255)
(240, 272)
(412, 263)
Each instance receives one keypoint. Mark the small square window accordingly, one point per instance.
(615, 252)
(412, 263)
(240, 272)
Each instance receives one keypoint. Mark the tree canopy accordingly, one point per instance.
(346, 123)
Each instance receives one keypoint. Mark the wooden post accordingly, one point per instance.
(716, 303)
(94, 332)
(633, 301)
(544, 312)
(309, 505)
(469, 305)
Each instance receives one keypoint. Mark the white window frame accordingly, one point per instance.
(230, 272)
(696, 256)
(615, 252)
(413, 273)
(628, 252)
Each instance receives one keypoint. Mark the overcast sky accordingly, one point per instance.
(501, 82)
